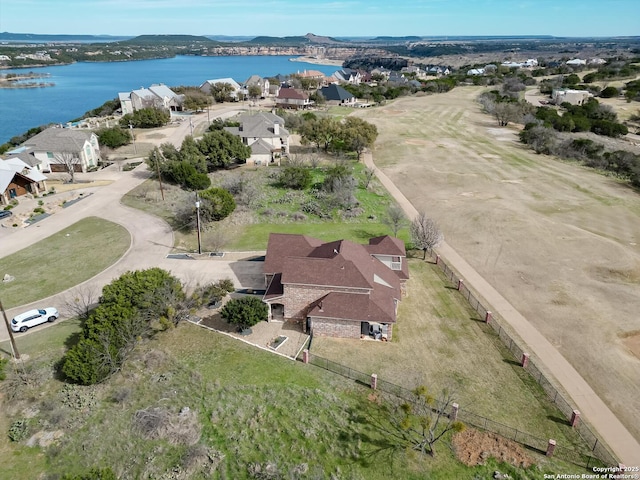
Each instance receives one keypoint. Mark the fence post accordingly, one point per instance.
(437, 259)
(305, 355)
(525, 360)
(454, 411)
(575, 418)
(551, 446)
(460, 284)
(374, 381)
(487, 317)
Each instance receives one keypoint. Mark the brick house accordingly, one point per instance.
(292, 98)
(337, 289)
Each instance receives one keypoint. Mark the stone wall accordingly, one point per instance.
(335, 328)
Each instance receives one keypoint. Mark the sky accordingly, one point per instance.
(338, 18)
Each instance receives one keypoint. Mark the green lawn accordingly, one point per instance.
(62, 260)
(273, 211)
(254, 412)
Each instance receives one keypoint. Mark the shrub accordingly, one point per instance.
(3, 364)
(296, 177)
(186, 175)
(217, 204)
(245, 312)
(18, 430)
(609, 92)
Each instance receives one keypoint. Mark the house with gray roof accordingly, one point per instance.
(337, 95)
(157, 95)
(337, 289)
(264, 132)
(236, 89)
(257, 80)
(56, 147)
(348, 75)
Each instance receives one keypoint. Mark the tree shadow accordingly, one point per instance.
(559, 420)
(512, 362)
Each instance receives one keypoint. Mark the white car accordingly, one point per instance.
(26, 320)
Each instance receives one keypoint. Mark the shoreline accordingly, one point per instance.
(317, 61)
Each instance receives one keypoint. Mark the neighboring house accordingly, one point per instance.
(337, 289)
(336, 95)
(156, 96)
(475, 71)
(574, 97)
(263, 83)
(236, 88)
(265, 133)
(348, 75)
(57, 147)
(17, 179)
(576, 62)
(292, 98)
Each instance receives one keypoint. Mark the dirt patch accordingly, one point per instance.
(616, 275)
(631, 340)
(473, 447)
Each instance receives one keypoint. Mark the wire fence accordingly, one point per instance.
(595, 445)
(580, 458)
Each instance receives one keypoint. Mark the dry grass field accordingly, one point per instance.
(560, 242)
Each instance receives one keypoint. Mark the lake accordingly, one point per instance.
(81, 87)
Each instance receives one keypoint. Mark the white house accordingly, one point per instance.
(206, 87)
(574, 97)
(265, 133)
(157, 95)
(54, 147)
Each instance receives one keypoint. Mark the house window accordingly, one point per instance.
(396, 263)
(49, 155)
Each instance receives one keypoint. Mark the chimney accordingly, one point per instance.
(276, 129)
(320, 307)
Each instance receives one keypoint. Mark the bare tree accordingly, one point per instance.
(423, 420)
(70, 160)
(425, 233)
(80, 301)
(394, 218)
(369, 173)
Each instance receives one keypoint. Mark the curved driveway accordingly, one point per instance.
(151, 237)
(590, 405)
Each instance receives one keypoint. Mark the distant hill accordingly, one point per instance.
(410, 38)
(294, 41)
(169, 40)
(39, 38)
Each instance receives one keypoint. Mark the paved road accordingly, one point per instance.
(591, 407)
(151, 237)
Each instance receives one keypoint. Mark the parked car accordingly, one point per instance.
(26, 320)
(5, 213)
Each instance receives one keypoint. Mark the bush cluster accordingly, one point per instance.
(127, 308)
(620, 162)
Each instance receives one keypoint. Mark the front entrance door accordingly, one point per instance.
(13, 193)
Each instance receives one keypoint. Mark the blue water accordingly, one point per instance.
(83, 86)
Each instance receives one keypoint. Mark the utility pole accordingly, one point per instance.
(155, 155)
(198, 223)
(133, 138)
(191, 125)
(14, 347)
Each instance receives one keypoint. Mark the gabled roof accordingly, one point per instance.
(361, 287)
(162, 91)
(26, 156)
(260, 147)
(14, 166)
(228, 80)
(335, 92)
(292, 93)
(311, 74)
(255, 80)
(386, 245)
(59, 140)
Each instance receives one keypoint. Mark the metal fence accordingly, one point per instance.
(583, 459)
(595, 445)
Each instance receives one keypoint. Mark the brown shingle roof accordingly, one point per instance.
(356, 307)
(292, 93)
